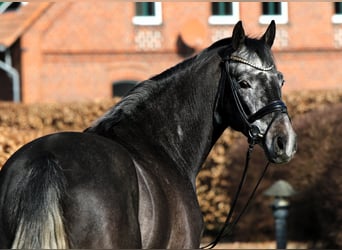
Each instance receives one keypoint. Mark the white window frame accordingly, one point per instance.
(283, 18)
(150, 20)
(226, 19)
(336, 18)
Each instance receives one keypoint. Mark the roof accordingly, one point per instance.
(14, 23)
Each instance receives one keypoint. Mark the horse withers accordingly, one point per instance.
(128, 181)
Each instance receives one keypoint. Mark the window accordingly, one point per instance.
(337, 16)
(271, 8)
(147, 13)
(338, 8)
(145, 9)
(276, 11)
(224, 13)
(121, 88)
(10, 6)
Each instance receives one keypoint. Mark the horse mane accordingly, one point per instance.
(170, 71)
(261, 49)
(139, 94)
(144, 90)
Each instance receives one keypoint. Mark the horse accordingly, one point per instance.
(128, 181)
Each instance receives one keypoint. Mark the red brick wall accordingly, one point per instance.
(76, 50)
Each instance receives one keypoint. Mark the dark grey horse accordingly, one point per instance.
(128, 181)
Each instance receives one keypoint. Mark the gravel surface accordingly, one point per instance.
(260, 245)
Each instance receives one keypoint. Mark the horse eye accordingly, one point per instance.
(244, 84)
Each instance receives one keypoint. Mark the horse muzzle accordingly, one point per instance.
(280, 142)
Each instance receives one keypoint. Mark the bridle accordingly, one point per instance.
(254, 137)
(277, 106)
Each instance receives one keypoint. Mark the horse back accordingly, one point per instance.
(99, 195)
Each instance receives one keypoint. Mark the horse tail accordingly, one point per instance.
(38, 208)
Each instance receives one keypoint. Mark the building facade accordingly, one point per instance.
(82, 50)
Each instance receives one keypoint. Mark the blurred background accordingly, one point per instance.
(62, 65)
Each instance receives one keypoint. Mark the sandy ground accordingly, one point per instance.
(260, 245)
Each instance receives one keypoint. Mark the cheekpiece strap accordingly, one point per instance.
(244, 61)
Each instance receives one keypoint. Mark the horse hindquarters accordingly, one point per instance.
(35, 204)
(88, 182)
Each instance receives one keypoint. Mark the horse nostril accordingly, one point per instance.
(280, 143)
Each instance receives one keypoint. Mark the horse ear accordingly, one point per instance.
(269, 35)
(238, 37)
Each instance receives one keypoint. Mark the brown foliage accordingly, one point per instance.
(315, 172)
(21, 123)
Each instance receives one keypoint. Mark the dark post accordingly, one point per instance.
(280, 190)
(280, 211)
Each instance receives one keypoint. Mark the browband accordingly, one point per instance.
(244, 61)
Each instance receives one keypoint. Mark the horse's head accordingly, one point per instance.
(255, 94)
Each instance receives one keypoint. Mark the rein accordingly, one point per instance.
(254, 137)
(228, 226)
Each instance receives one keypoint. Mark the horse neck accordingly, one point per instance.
(175, 120)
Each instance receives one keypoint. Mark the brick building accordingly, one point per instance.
(79, 50)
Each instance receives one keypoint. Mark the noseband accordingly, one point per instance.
(254, 134)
